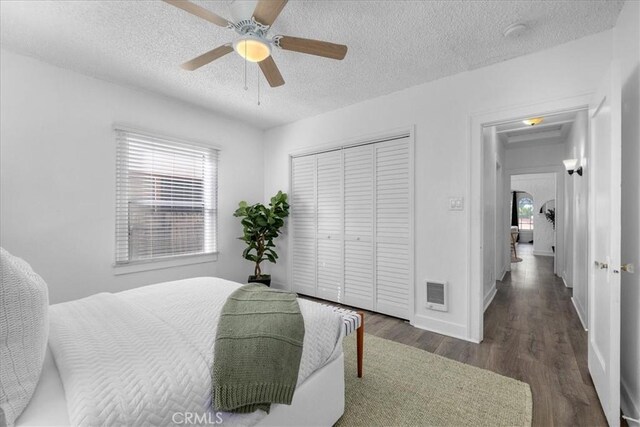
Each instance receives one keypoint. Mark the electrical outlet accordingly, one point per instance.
(456, 204)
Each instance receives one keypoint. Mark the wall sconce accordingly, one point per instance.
(570, 165)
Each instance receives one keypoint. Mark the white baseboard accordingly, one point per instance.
(629, 403)
(580, 312)
(504, 273)
(566, 285)
(454, 330)
(488, 298)
(543, 253)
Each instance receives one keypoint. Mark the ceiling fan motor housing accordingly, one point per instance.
(251, 27)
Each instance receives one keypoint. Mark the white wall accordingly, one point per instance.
(577, 203)
(533, 156)
(57, 179)
(567, 271)
(542, 187)
(441, 112)
(627, 51)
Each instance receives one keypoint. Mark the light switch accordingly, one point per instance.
(456, 204)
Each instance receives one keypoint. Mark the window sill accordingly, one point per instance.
(139, 266)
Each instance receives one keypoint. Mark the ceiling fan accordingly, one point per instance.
(254, 44)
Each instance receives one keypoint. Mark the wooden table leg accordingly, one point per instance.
(360, 343)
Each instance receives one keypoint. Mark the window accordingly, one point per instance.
(525, 213)
(167, 201)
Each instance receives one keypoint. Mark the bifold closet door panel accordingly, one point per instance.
(330, 226)
(303, 215)
(393, 219)
(359, 280)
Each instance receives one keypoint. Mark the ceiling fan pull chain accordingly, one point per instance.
(258, 75)
(245, 67)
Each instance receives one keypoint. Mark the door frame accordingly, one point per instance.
(559, 172)
(477, 121)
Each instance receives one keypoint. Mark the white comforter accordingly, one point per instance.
(139, 357)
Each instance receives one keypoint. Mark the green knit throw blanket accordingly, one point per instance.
(257, 350)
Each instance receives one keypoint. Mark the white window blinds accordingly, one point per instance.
(167, 201)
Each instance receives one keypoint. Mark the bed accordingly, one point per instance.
(163, 335)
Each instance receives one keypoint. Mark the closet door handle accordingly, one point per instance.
(628, 268)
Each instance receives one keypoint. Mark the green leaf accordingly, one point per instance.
(261, 225)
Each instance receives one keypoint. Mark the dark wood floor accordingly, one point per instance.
(531, 333)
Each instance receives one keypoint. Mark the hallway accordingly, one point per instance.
(537, 337)
(532, 333)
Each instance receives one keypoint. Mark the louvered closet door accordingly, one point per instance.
(392, 225)
(329, 200)
(303, 214)
(358, 227)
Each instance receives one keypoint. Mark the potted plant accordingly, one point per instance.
(261, 226)
(550, 214)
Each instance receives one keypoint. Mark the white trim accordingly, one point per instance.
(159, 264)
(628, 403)
(504, 273)
(544, 253)
(576, 305)
(128, 128)
(477, 120)
(455, 330)
(488, 298)
(395, 133)
(566, 285)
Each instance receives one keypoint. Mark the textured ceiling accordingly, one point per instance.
(392, 45)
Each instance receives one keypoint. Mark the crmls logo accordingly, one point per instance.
(187, 418)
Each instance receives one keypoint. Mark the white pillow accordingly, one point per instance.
(24, 330)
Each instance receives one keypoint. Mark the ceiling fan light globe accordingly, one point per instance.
(252, 49)
(533, 121)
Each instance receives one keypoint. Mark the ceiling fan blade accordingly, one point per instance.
(271, 72)
(208, 57)
(313, 47)
(268, 10)
(199, 11)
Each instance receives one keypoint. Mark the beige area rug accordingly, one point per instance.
(406, 386)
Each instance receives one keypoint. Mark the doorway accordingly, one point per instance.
(602, 164)
(532, 299)
(532, 214)
(536, 200)
(552, 211)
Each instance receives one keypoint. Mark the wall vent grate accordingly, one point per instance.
(437, 296)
